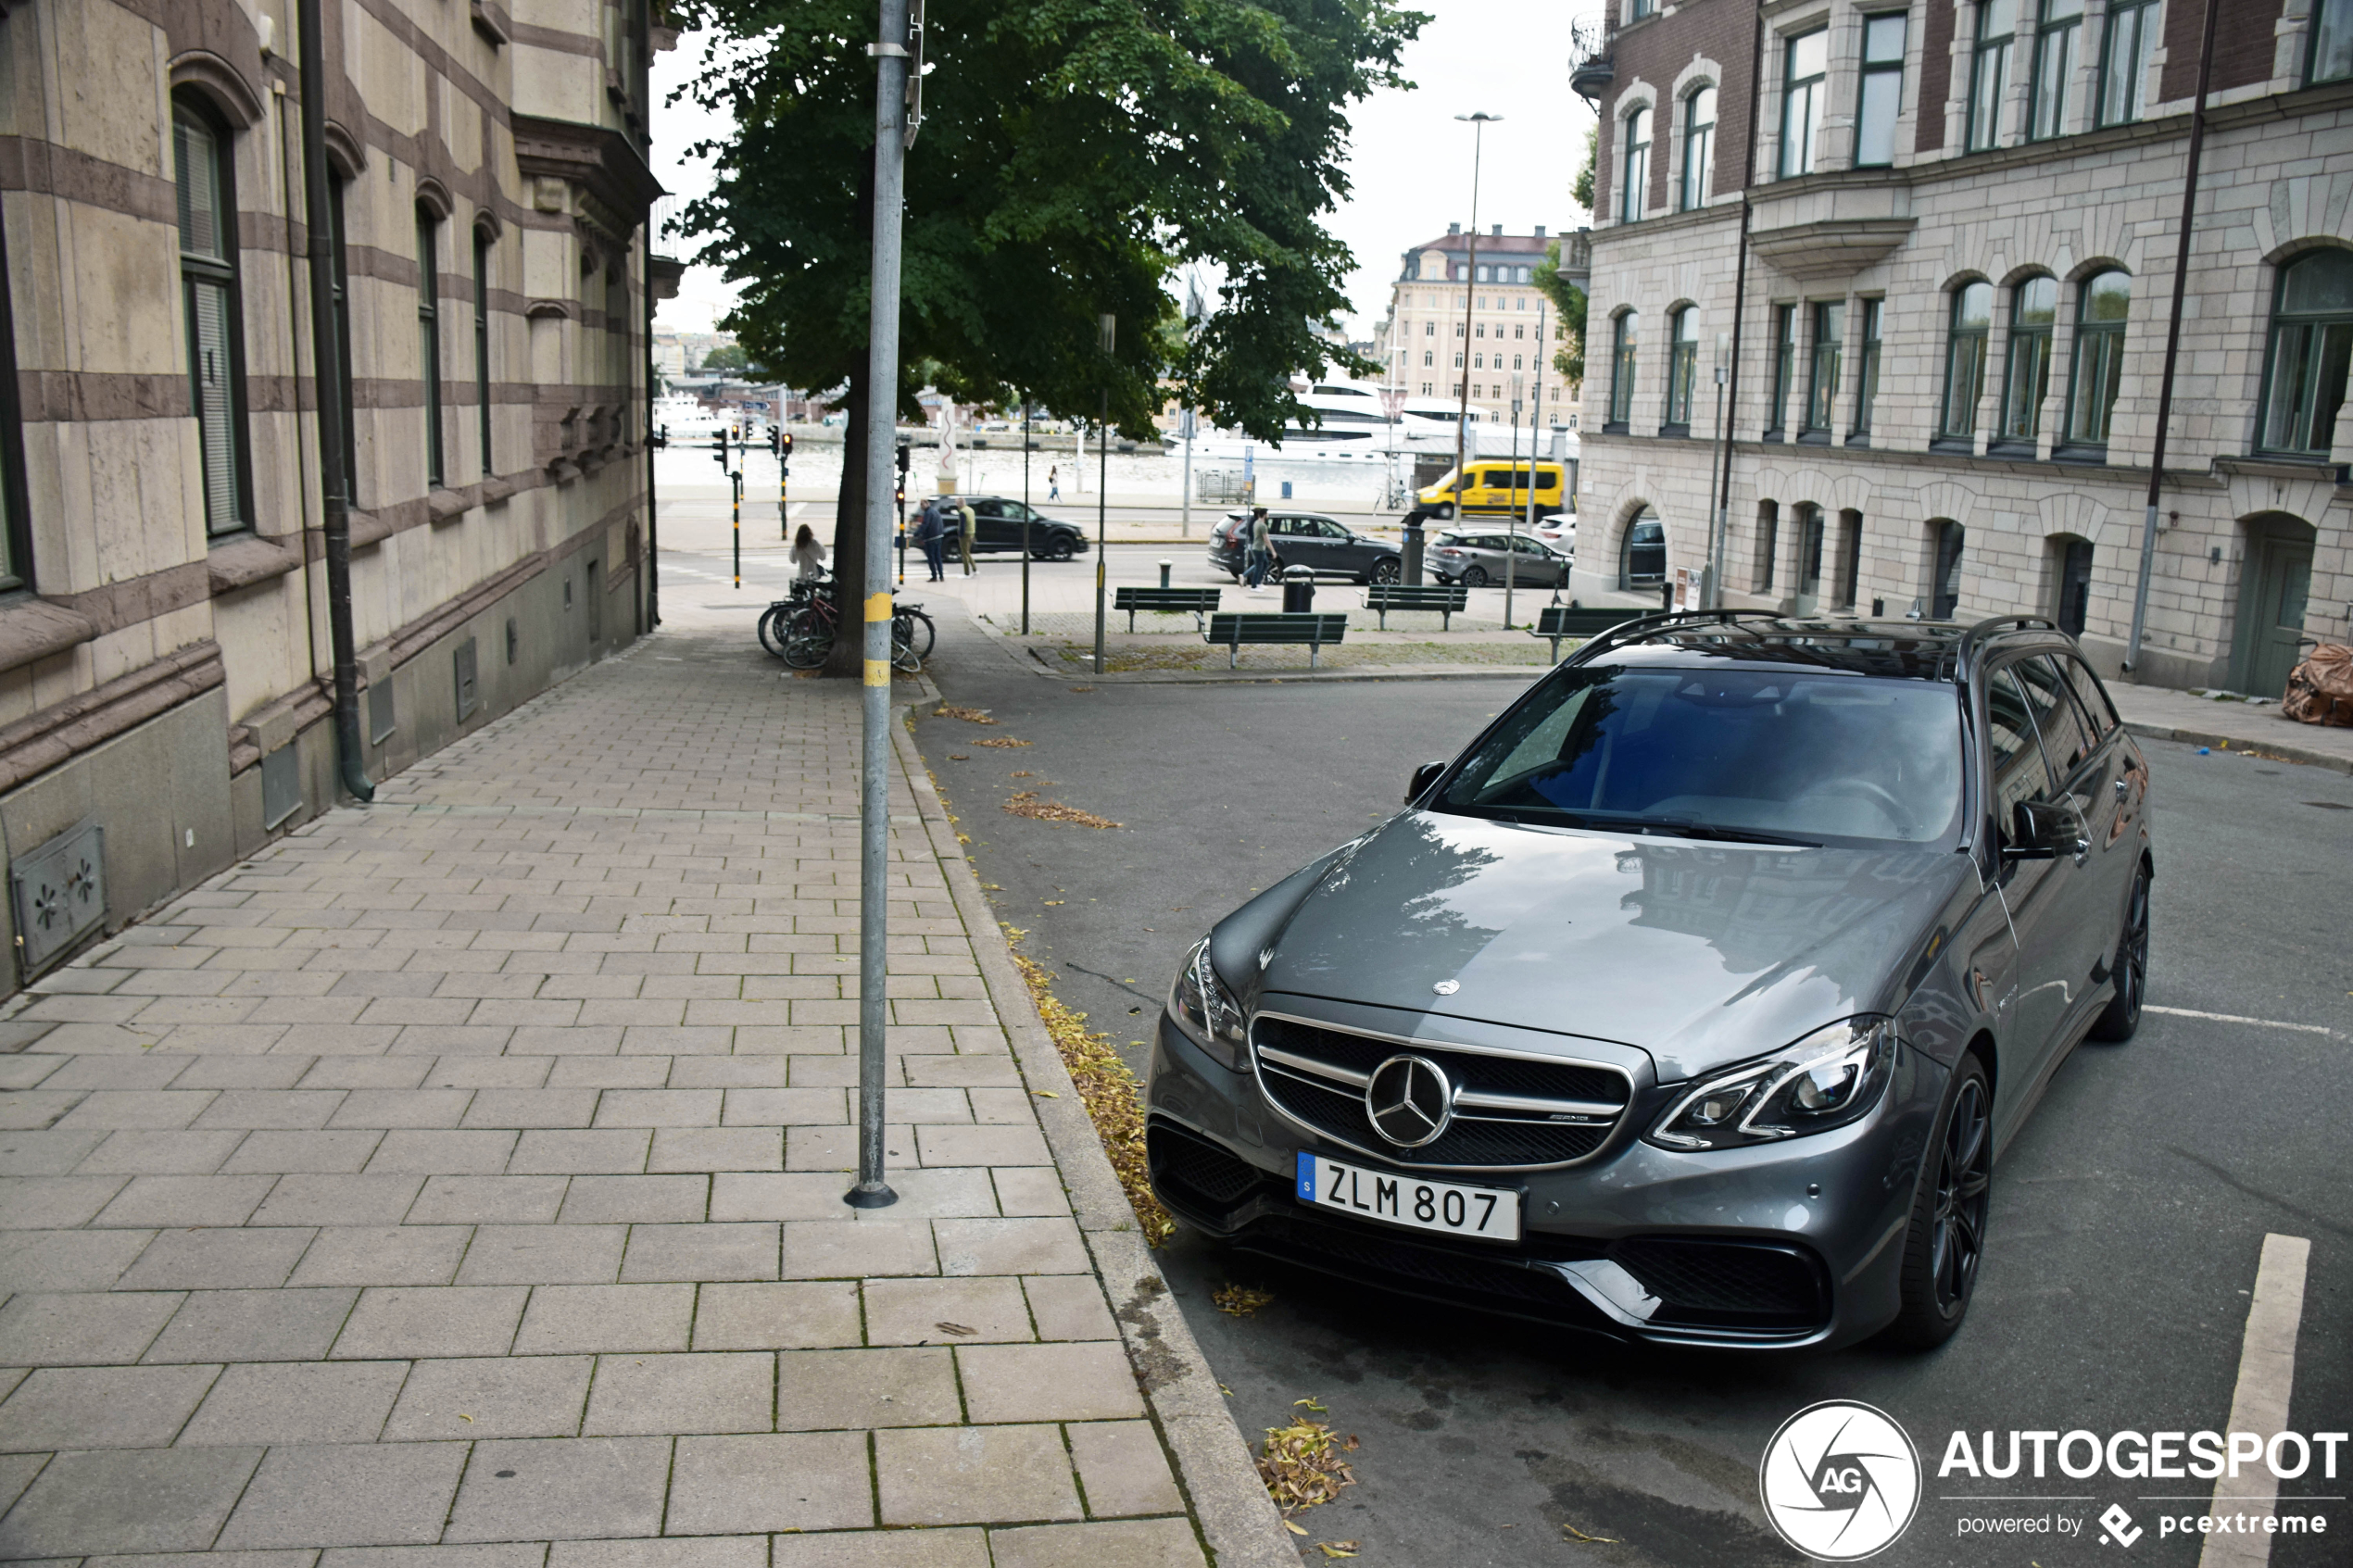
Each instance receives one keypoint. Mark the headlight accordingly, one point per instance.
(1825, 1080)
(1204, 1009)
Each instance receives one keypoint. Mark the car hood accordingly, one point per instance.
(1697, 953)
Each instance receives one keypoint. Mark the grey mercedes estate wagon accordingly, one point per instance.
(1695, 1000)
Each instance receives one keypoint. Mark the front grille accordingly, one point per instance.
(1476, 1138)
(1194, 1168)
(1727, 1284)
(1497, 1282)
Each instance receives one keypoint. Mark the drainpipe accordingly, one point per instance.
(653, 572)
(1723, 486)
(333, 484)
(2172, 349)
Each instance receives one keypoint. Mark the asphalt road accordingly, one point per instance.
(2128, 1219)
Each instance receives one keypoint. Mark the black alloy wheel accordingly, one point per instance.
(1385, 570)
(2118, 1023)
(1946, 1242)
(1059, 550)
(1474, 577)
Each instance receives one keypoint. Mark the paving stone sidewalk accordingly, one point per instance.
(467, 1169)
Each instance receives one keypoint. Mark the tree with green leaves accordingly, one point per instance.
(1569, 301)
(1073, 155)
(726, 357)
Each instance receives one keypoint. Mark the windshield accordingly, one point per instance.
(1762, 754)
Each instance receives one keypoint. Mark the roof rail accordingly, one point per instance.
(1642, 626)
(1993, 624)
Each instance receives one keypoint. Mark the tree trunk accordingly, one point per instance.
(847, 659)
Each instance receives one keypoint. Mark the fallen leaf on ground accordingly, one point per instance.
(1107, 1087)
(1301, 1466)
(1294, 1529)
(969, 715)
(1027, 804)
(1311, 1404)
(1089, 689)
(1239, 1300)
(1024, 773)
(1337, 1549)
(1003, 743)
(1602, 1540)
(1044, 1094)
(958, 756)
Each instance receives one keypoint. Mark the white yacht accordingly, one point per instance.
(1356, 426)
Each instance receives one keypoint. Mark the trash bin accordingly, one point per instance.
(1299, 589)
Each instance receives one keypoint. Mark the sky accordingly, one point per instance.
(1409, 163)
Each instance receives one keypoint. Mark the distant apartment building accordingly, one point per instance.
(670, 357)
(1460, 315)
(1936, 242)
(165, 692)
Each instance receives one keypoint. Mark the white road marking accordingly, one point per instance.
(2267, 1377)
(2235, 1018)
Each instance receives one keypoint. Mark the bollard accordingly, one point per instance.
(1164, 564)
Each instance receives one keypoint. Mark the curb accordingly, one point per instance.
(1213, 1468)
(2239, 743)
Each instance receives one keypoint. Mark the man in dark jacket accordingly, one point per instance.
(928, 532)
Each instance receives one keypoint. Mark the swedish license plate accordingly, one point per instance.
(1490, 1213)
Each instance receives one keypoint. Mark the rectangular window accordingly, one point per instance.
(1638, 9)
(1990, 72)
(1621, 381)
(16, 507)
(1784, 365)
(2032, 308)
(1682, 369)
(2331, 42)
(1882, 93)
(1638, 165)
(481, 345)
(2103, 303)
(1806, 59)
(429, 338)
(2125, 58)
(1821, 392)
(1965, 360)
(209, 294)
(2054, 46)
(1699, 148)
(1867, 366)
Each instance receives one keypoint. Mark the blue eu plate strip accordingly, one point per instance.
(1307, 1178)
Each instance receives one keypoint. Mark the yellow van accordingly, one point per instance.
(1498, 486)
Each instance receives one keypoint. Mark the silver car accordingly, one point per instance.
(1476, 560)
(1695, 1001)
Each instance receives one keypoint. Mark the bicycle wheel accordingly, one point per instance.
(921, 633)
(771, 628)
(807, 638)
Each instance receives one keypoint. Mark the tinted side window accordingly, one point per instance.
(2064, 732)
(2018, 771)
(2090, 693)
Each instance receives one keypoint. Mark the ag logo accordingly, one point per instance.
(1840, 1481)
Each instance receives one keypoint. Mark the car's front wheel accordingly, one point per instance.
(2119, 1021)
(1385, 570)
(1946, 1240)
(1059, 550)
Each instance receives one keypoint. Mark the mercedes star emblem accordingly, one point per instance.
(1409, 1100)
(1447, 988)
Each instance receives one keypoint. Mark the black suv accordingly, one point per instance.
(997, 525)
(1308, 539)
(1693, 1002)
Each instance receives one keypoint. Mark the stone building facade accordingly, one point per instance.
(164, 664)
(1431, 344)
(1944, 355)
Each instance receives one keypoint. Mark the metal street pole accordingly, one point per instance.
(1185, 514)
(1103, 477)
(874, 741)
(1025, 516)
(1511, 520)
(1535, 413)
(1479, 123)
(1717, 522)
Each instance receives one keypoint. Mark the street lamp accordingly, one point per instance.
(1479, 123)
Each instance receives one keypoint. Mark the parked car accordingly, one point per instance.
(1694, 1000)
(997, 524)
(1496, 486)
(1476, 559)
(1559, 530)
(1308, 539)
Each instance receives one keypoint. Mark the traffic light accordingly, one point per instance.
(775, 441)
(719, 449)
(785, 451)
(906, 455)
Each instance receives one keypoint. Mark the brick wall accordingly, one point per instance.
(1936, 75)
(2242, 44)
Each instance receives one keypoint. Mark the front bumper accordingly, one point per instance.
(1784, 1246)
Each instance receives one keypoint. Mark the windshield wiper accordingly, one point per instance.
(1685, 828)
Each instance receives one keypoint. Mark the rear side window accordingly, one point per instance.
(2088, 692)
(2018, 771)
(2065, 734)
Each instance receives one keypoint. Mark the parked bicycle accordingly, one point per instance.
(800, 630)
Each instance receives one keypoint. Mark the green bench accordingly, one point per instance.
(1557, 621)
(1232, 631)
(1438, 596)
(1195, 602)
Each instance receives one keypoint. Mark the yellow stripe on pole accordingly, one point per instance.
(877, 671)
(878, 606)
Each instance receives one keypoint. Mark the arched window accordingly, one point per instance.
(209, 294)
(1638, 165)
(2311, 348)
(1699, 148)
(429, 336)
(1621, 375)
(1809, 556)
(2033, 306)
(1682, 364)
(2071, 558)
(2102, 305)
(1429, 358)
(1768, 544)
(1965, 358)
(1642, 559)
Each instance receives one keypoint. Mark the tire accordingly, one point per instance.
(2123, 1016)
(771, 628)
(1473, 577)
(1060, 550)
(1945, 1243)
(920, 631)
(806, 639)
(1385, 570)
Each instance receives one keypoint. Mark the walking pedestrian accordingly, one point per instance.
(1262, 550)
(1053, 482)
(965, 535)
(928, 535)
(808, 556)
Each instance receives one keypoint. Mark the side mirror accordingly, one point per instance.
(2037, 828)
(1423, 776)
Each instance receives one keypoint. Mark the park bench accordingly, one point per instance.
(1232, 632)
(1195, 602)
(1557, 621)
(1445, 600)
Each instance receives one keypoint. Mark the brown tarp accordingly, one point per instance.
(2319, 690)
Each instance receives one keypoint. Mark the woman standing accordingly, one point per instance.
(1053, 482)
(808, 556)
